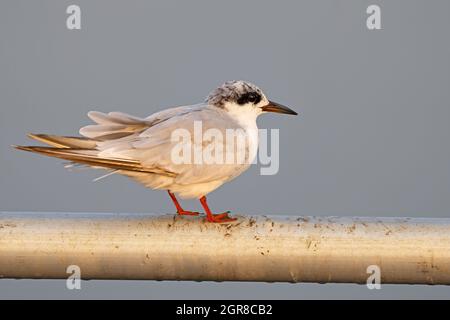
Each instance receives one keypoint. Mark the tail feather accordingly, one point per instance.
(114, 125)
(115, 117)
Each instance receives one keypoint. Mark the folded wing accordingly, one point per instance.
(128, 144)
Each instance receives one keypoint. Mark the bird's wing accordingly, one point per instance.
(113, 129)
(128, 143)
(112, 126)
(91, 158)
(64, 142)
(116, 125)
(155, 145)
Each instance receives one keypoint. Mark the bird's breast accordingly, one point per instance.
(252, 134)
(248, 125)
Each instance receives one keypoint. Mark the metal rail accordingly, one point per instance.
(254, 248)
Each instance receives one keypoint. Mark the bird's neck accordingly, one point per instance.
(245, 117)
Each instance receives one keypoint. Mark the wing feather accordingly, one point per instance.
(64, 142)
(135, 145)
(90, 158)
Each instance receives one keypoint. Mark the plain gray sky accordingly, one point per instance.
(371, 139)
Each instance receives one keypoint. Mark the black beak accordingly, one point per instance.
(278, 108)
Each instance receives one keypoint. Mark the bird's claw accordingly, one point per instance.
(221, 217)
(188, 213)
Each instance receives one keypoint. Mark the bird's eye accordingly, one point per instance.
(250, 97)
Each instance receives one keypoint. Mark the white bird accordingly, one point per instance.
(143, 148)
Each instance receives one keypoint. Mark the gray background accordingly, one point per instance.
(372, 138)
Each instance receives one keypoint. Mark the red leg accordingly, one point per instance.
(221, 217)
(180, 210)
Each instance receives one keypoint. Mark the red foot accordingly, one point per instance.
(188, 213)
(219, 218)
(180, 210)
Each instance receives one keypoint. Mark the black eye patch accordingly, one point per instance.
(249, 97)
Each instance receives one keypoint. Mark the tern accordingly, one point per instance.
(143, 148)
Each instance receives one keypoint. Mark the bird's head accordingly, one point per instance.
(244, 97)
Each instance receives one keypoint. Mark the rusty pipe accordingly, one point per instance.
(254, 248)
